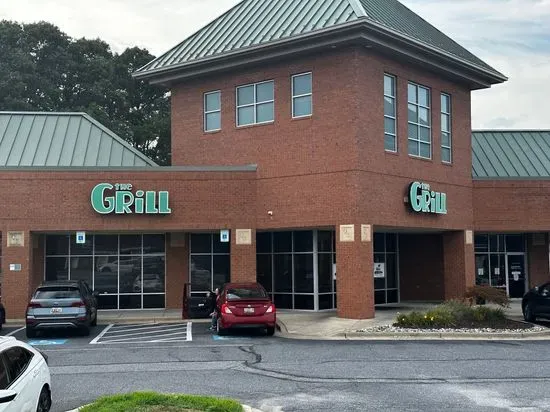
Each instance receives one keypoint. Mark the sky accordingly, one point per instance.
(513, 36)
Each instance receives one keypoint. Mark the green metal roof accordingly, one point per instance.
(260, 22)
(62, 139)
(511, 154)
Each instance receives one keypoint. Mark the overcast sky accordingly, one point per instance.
(513, 36)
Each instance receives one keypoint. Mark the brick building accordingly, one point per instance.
(329, 140)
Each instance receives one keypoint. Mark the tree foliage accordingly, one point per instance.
(43, 69)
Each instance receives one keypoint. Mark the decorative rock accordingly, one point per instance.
(397, 330)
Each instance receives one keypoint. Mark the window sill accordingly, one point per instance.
(424, 159)
(247, 126)
(448, 164)
(212, 132)
(391, 152)
(297, 119)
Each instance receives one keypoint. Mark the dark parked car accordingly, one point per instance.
(536, 303)
(245, 305)
(62, 304)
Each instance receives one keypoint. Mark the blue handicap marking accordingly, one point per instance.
(47, 342)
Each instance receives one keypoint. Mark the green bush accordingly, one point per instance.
(152, 401)
(483, 293)
(453, 314)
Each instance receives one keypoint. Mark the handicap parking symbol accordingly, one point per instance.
(44, 342)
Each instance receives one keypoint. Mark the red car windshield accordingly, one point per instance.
(246, 293)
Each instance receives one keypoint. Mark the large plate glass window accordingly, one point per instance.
(210, 263)
(212, 111)
(446, 134)
(256, 103)
(390, 114)
(386, 273)
(419, 121)
(128, 271)
(302, 100)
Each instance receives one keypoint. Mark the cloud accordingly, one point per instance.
(513, 36)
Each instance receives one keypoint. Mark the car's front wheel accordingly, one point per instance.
(44, 401)
(528, 313)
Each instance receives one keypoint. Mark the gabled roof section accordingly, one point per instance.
(511, 154)
(263, 24)
(38, 139)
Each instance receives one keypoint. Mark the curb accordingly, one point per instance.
(246, 408)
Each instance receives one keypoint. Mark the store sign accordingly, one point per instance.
(80, 238)
(121, 199)
(424, 200)
(224, 236)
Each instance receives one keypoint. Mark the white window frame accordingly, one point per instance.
(310, 94)
(450, 131)
(254, 105)
(394, 79)
(211, 111)
(417, 124)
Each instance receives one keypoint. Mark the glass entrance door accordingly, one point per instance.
(515, 269)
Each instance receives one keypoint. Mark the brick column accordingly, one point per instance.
(177, 268)
(16, 285)
(243, 255)
(354, 273)
(458, 263)
(537, 256)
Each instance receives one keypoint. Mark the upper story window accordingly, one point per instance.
(255, 103)
(302, 89)
(446, 138)
(390, 114)
(419, 122)
(212, 111)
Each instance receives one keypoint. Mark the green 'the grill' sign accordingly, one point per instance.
(424, 200)
(124, 200)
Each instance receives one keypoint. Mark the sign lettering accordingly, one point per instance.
(120, 199)
(424, 200)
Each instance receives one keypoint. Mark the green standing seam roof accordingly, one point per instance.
(258, 22)
(38, 139)
(502, 154)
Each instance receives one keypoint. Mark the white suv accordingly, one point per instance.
(24, 377)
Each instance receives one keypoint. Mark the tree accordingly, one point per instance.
(43, 69)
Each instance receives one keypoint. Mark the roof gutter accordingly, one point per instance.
(359, 31)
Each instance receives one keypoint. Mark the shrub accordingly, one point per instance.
(453, 314)
(482, 293)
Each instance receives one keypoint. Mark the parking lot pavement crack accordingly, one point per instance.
(252, 351)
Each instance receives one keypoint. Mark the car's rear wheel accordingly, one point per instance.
(270, 331)
(221, 331)
(528, 313)
(30, 332)
(44, 401)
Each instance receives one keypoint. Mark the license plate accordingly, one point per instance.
(56, 310)
(248, 310)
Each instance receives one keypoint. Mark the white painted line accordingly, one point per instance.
(116, 329)
(13, 332)
(138, 334)
(94, 341)
(189, 334)
(145, 339)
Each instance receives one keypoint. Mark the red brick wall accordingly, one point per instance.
(421, 273)
(538, 261)
(177, 269)
(243, 259)
(459, 264)
(512, 206)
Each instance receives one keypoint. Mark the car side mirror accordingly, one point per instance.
(6, 396)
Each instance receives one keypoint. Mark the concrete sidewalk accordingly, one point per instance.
(327, 325)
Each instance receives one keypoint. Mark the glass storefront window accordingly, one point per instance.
(263, 242)
(283, 273)
(515, 243)
(263, 271)
(210, 262)
(303, 273)
(113, 265)
(481, 243)
(386, 288)
(303, 241)
(282, 242)
(201, 273)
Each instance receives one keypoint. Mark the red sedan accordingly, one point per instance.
(245, 305)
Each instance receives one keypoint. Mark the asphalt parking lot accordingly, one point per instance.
(146, 333)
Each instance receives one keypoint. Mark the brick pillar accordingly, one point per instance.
(177, 268)
(354, 273)
(16, 284)
(243, 255)
(458, 263)
(537, 256)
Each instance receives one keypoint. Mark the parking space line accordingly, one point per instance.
(137, 334)
(189, 334)
(13, 332)
(121, 330)
(94, 341)
(134, 338)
